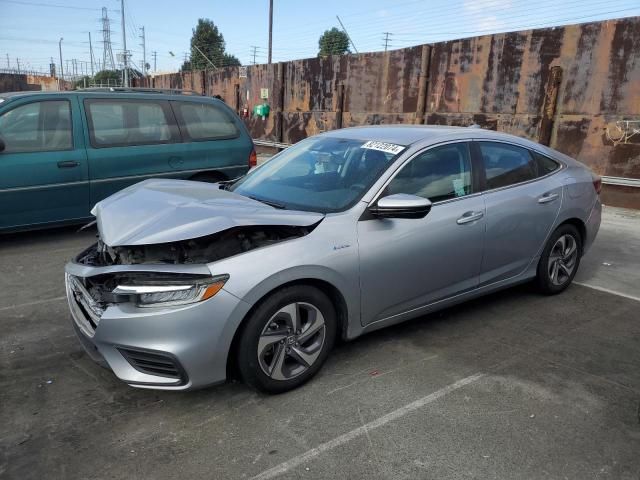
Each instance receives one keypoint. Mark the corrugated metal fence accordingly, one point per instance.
(576, 88)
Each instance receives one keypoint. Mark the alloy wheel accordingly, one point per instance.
(291, 341)
(562, 259)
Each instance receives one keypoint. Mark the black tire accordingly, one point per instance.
(545, 274)
(208, 177)
(251, 367)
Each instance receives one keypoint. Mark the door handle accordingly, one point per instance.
(68, 164)
(469, 217)
(548, 198)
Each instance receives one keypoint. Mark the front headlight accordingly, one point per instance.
(154, 293)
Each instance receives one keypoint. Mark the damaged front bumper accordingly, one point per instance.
(175, 347)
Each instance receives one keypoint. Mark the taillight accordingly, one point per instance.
(253, 158)
(597, 183)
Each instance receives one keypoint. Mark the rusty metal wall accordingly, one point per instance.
(12, 82)
(589, 108)
(498, 81)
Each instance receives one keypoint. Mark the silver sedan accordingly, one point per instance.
(344, 233)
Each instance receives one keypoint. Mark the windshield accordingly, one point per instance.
(320, 174)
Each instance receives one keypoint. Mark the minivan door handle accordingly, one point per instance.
(68, 164)
(548, 197)
(469, 217)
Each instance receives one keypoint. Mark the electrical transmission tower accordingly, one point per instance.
(107, 52)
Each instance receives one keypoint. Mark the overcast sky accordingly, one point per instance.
(30, 29)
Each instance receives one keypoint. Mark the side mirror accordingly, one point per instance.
(2, 145)
(401, 205)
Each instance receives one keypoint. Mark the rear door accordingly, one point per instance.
(522, 201)
(215, 141)
(130, 140)
(43, 168)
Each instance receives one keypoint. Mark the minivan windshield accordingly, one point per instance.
(321, 174)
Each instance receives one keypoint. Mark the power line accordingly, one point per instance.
(36, 4)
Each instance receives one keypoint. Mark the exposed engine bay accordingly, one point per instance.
(194, 251)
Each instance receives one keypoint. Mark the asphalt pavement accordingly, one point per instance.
(515, 385)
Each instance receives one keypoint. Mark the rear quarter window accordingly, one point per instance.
(545, 164)
(203, 121)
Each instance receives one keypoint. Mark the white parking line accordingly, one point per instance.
(36, 302)
(607, 290)
(365, 429)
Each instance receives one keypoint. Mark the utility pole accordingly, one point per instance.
(155, 57)
(255, 51)
(18, 63)
(91, 53)
(144, 53)
(270, 30)
(347, 33)
(386, 40)
(9, 62)
(124, 46)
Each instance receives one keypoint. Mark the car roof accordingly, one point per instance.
(130, 93)
(423, 134)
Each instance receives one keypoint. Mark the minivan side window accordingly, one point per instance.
(506, 164)
(440, 173)
(202, 121)
(128, 122)
(37, 127)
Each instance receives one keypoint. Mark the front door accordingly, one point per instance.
(43, 167)
(409, 263)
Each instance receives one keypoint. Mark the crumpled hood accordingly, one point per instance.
(160, 211)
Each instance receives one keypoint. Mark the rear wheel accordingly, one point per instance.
(287, 339)
(560, 260)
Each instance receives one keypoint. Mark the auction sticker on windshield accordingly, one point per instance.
(383, 147)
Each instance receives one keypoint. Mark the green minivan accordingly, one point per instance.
(62, 152)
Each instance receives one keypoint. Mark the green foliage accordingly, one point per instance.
(210, 41)
(111, 76)
(333, 42)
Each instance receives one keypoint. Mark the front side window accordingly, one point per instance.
(202, 121)
(37, 127)
(125, 122)
(506, 164)
(320, 174)
(440, 173)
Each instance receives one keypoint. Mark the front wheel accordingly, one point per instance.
(559, 260)
(287, 339)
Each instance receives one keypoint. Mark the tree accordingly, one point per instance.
(108, 77)
(210, 42)
(333, 42)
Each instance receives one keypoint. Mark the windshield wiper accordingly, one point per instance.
(226, 184)
(268, 202)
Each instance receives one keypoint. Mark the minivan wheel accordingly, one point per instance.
(287, 339)
(560, 260)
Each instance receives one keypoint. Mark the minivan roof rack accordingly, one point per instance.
(165, 91)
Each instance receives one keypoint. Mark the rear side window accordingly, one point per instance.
(37, 127)
(506, 164)
(545, 164)
(202, 121)
(438, 174)
(128, 122)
